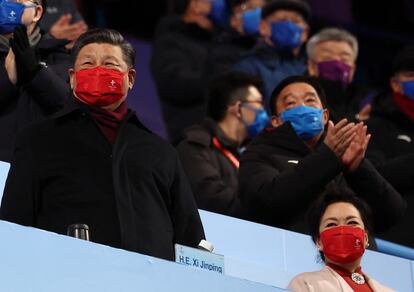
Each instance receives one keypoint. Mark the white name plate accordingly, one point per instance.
(199, 259)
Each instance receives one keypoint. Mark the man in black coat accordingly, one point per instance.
(392, 147)
(33, 73)
(287, 167)
(229, 46)
(210, 150)
(178, 64)
(94, 163)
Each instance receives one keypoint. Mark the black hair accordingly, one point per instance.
(404, 60)
(312, 81)
(105, 36)
(298, 6)
(337, 195)
(226, 89)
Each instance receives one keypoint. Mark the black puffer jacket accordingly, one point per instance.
(391, 149)
(177, 64)
(212, 175)
(280, 177)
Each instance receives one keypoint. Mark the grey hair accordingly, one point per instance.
(331, 34)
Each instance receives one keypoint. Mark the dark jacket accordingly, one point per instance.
(280, 177)
(226, 50)
(132, 195)
(177, 64)
(391, 150)
(345, 102)
(213, 177)
(21, 105)
(271, 66)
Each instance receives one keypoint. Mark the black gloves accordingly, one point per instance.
(27, 62)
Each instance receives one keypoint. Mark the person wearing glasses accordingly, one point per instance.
(210, 150)
(33, 70)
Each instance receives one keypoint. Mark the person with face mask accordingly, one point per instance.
(33, 70)
(287, 167)
(332, 54)
(239, 38)
(392, 146)
(178, 63)
(94, 163)
(284, 29)
(210, 150)
(340, 224)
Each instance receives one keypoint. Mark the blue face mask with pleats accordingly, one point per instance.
(408, 89)
(286, 34)
(218, 13)
(260, 122)
(251, 21)
(11, 15)
(305, 120)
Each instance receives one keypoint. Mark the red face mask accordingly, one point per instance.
(343, 244)
(99, 86)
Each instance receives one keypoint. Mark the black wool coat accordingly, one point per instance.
(133, 194)
(280, 177)
(43, 95)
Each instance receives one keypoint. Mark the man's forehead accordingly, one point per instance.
(282, 12)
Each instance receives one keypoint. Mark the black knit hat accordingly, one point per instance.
(299, 6)
(404, 60)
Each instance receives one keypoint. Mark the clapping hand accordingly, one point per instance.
(355, 152)
(339, 136)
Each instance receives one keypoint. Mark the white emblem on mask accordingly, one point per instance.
(404, 138)
(112, 84)
(12, 16)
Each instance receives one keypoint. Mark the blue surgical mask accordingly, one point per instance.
(11, 15)
(286, 34)
(260, 122)
(305, 120)
(251, 21)
(408, 89)
(218, 13)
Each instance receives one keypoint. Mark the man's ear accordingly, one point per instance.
(264, 29)
(325, 116)
(305, 35)
(131, 77)
(276, 121)
(38, 13)
(312, 68)
(72, 78)
(396, 85)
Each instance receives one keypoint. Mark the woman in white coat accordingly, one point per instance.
(340, 223)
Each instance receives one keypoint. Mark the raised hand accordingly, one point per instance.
(27, 62)
(355, 152)
(339, 136)
(63, 29)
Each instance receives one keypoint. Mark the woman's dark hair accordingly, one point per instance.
(312, 81)
(105, 36)
(225, 90)
(337, 195)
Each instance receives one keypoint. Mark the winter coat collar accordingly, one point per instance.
(74, 107)
(282, 137)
